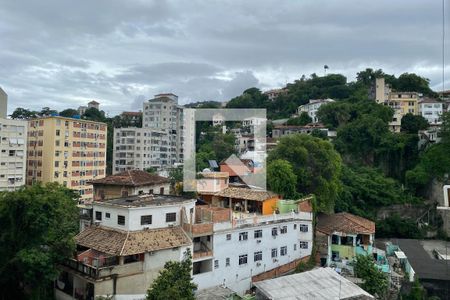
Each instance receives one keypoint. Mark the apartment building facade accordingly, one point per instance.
(237, 251)
(140, 148)
(402, 103)
(158, 144)
(163, 113)
(69, 151)
(13, 149)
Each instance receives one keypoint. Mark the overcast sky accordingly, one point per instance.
(65, 53)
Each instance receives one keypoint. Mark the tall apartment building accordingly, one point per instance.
(139, 149)
(158, 143)
(68, 151)
(163, 113)
(13, 147)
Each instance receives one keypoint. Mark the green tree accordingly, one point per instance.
(23, 114)
(315, 163)
(412, 123)
(174, 281)
(69, 112)
(417, 292)
(301, 120)
(374, 281)
(94, 114)
(37, 226)
(360, 138)
(46, 111)
(281, 178)
(151, 170)
(410, 82)
(334, 114)
(366, 189)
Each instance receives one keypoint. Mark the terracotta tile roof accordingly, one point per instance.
(246, 194)
(119, 242)
(131, 178)
(344, 222)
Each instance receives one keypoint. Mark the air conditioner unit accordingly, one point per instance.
(258, 241)
(275, 260)
(171, 225)
(151, 253)
(258, 264)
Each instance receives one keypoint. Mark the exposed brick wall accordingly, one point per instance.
(305, 206)
(279, 270)
(221, 216)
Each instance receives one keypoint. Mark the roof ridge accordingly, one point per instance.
(131, 176)
(355, 219)
(124, 243)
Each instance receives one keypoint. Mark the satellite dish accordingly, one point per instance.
(206, 170)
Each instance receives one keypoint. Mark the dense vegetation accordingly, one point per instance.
(37, 226)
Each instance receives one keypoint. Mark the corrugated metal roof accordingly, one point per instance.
(323, 283)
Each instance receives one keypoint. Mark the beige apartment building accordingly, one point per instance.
(401, 102)
(69, 151)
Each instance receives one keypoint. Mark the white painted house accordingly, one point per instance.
(237, 252)
(312, 107)
(431, 110)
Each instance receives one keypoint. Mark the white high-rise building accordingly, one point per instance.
(163, 113)
(158, 144)
(139, 149)
(13, 147)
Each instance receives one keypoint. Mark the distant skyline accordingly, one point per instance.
(62, 54)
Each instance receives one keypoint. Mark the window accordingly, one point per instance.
(107, 215)
(274, 231)
(229, 237)
(146, 220)
(171, 217)
(303, 245)
(283, 230)
(227, 262)
(58, 132)
(257, 256)
(258, 234)
(216, 264)
(242, 259)
(295, 247)
(303, 228)
(295, 226)
(98, 215)
(120, 220)
(283, 250)
(243, 236)
(274, 252)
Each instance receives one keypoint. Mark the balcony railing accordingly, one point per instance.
(100, 272)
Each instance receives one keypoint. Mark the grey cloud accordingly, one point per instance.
(62, 53)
